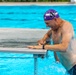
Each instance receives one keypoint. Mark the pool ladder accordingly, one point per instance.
(36, 56)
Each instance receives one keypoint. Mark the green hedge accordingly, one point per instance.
(54, 0)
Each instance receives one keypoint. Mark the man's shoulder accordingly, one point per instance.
(67, 22)
(67, 25)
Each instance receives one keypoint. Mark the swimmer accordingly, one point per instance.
(62, 33)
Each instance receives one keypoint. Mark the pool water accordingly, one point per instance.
(31, 17)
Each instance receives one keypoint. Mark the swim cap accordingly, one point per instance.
(51, 14)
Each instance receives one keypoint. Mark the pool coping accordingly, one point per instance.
(23, 50)
(36, 3)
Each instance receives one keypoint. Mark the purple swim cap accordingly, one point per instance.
(51, 14)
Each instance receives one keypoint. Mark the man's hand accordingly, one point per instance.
(41, 42)
(35, 47)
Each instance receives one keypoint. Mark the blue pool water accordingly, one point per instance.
(31, 17)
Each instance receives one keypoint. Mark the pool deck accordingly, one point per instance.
(35, 3)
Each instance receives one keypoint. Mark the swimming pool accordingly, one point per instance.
(31, 17)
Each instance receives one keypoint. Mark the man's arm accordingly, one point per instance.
(45, 38)
(66, 37)
(47, 35)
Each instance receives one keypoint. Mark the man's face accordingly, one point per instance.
(52, 24)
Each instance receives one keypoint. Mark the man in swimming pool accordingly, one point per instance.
(61, 32)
